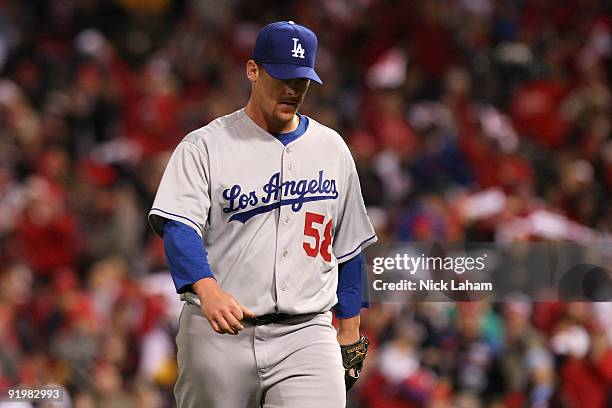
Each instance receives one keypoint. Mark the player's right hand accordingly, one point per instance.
(221, 309)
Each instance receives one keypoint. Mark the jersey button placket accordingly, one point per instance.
(283, 229)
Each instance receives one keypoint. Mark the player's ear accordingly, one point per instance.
(252, 70)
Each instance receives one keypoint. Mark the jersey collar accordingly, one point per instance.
(291, 135)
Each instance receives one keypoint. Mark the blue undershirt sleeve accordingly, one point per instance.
(352, 281)
(186, 255)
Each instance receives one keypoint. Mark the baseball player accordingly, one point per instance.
(263, 225)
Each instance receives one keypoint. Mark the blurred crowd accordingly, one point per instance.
(469, 120)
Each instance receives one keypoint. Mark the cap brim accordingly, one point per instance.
(288, 71)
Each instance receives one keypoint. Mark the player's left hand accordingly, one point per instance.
(353, 356)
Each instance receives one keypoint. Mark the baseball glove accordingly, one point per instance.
(353, 356)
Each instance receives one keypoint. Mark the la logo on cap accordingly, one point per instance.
(297, 51)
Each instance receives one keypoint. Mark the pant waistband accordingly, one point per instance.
(279, 318)
(270, 318)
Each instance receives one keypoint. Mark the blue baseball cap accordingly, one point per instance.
(287, 50)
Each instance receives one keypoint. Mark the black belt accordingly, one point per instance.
(278, 318)
(270, 318)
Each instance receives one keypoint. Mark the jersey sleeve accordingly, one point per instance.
(352, 289)
(186, 255)
(183, 193)
(353, 231)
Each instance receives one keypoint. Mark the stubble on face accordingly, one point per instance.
(280, 100)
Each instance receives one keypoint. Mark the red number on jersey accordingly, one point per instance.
(326, 244)
(310, 231)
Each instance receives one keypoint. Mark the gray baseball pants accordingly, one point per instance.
(295, 364)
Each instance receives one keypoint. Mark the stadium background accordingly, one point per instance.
(479, 120)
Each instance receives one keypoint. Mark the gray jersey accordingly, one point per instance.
(276, 220)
